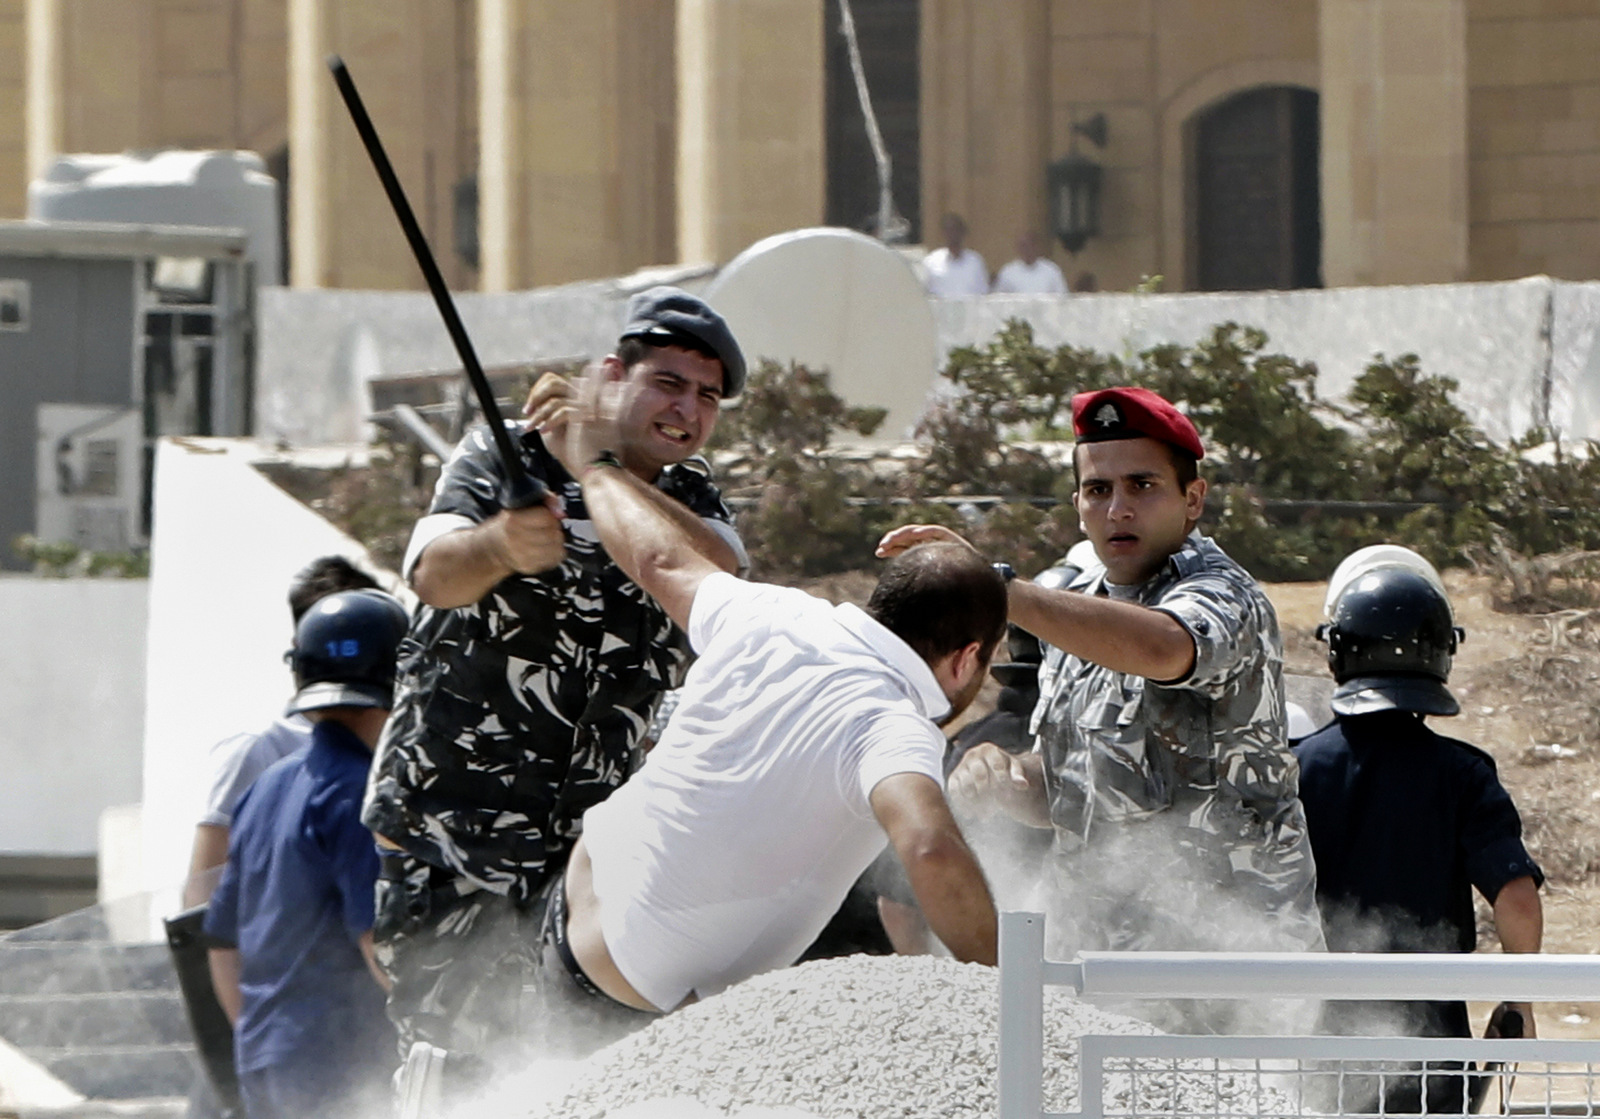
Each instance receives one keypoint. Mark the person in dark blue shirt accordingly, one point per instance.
(291, 919)
(1405, 822)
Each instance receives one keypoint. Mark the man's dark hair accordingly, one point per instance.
(631, 351)
(324, 576)
(939, 598)
(1185, 465)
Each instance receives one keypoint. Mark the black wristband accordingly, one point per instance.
(606, 458)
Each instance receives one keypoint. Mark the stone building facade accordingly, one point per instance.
(1249, 143)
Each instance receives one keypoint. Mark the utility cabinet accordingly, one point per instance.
(112, 335)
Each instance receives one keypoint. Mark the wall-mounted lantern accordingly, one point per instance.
(1075, 183)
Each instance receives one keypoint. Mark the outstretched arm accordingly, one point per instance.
(646, 533)
(1121, 636)
(944, 873)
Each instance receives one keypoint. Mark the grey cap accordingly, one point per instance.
(1367, 695)
(666, 316)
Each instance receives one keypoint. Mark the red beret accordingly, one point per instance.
(1130, 413)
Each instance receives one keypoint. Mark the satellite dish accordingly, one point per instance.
(836, 300)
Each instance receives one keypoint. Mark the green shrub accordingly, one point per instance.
(803, 513)
(62, 559)
(1297, 483)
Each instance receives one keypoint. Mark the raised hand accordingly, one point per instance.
(907, 536)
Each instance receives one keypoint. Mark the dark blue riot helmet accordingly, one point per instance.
(344, 651)
(1391, 639)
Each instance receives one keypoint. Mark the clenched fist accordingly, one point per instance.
(989, 779)
(527, 541)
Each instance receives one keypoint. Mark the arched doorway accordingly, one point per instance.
(1255, 212)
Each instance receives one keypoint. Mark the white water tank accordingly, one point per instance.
(210, 188)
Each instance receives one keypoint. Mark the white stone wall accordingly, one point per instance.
(225, 545)
(72, 680)
(1516, 348)
(1524, 351)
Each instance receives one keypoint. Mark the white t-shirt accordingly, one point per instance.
(727, 853)
(950, 277)
(1042, 277)
(238, 760)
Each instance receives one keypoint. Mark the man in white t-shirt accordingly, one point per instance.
(237, 760)
(805, 736)
(1031, 273)
(955, 270)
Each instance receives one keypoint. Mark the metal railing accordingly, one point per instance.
(1120, 1077)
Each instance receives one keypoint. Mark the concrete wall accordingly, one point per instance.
(410, 60)
(1524, 351)
(72, 680)
(579, 110)
(13, 109)
(316, 349)
(226, 544)
(1519, 350)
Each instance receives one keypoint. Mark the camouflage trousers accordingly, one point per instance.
(480, 976)
(457, 957)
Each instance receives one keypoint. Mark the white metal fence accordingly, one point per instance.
(1123, 1077)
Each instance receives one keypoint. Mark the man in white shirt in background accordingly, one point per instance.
(1031, 273)
(238, 760)
(955, 270)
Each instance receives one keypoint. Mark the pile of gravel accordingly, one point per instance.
(869, 1037)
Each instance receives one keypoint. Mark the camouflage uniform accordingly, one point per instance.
(512, 717)
(1186, 790)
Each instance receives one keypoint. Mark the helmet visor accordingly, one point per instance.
(1367, 695)
(329, 693)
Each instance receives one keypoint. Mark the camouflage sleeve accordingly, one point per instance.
(1224, 618)
(1238, 666)
(470, 483)
(690, 482)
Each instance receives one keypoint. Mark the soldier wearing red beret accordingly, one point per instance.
(1161, 761)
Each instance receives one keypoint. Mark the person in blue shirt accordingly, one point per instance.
(1405, 822)
(291, 919)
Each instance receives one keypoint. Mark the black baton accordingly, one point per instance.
(521, 490)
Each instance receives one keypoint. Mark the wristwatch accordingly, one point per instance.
(606, 458)
(1005, 571)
